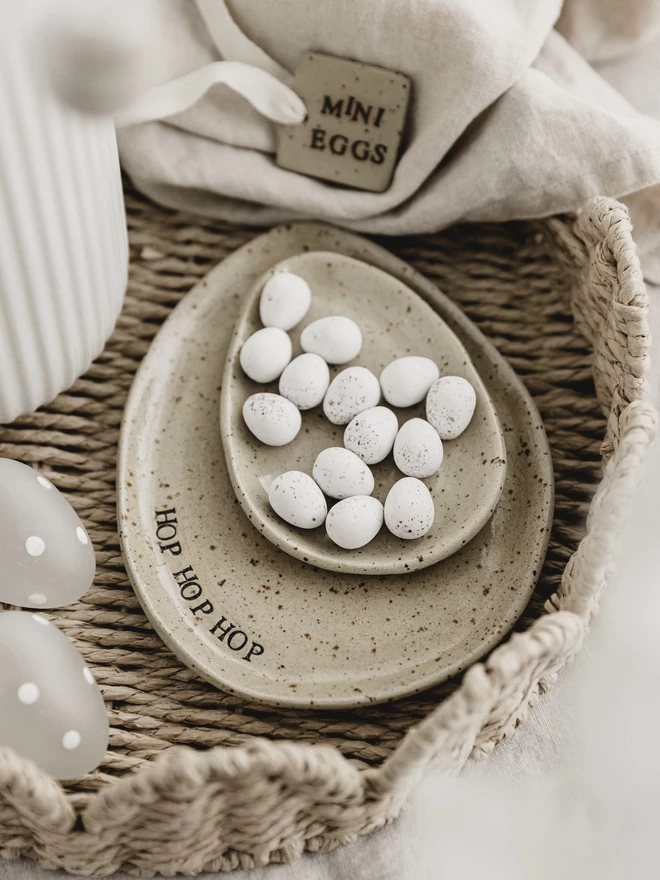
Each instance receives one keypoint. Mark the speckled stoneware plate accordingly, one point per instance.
(395, 322)
(255, 620)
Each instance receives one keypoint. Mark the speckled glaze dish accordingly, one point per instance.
(395, 322)
(253, 619)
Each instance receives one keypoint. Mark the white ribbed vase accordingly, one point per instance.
(63, 246)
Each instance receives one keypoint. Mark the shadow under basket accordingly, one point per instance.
(200, 780)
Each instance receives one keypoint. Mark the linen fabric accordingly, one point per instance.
(507, 120)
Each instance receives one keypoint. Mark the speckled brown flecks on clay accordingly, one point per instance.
(478, 583)
(471, 476)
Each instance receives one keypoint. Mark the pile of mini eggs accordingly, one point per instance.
(352, 398)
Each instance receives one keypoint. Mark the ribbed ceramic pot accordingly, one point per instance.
(64, 249)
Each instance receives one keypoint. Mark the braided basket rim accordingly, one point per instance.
(143, 823)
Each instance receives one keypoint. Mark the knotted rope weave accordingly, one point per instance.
(196, 779)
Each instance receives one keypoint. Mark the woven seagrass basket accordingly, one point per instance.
(196, 779)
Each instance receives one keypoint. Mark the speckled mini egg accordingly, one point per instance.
(305, 381)
(296, 498)
(354, 522)
(285, 300)
(409, 509)
(46, 555)
(336, 339)
(265, 354)
(340, 473)
(450, 406)
(351, 392)
(406, 380)
(371, 434)
(271, 418)
(51, 710)
(418, 449)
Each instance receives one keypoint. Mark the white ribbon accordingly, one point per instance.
(233, 44)
(246, 69)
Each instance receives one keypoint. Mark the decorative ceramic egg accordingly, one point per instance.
(271, 418)
(406, 380)
(285, 300)
(409, 509)
(46, 556)
(371, 434)
(51, 710)
(336, 339)
(296, 498)
(305, 381)
(265, 354)
(355, 521)
(340, 473)
(418, 449)
(351, 392)
(450, 406)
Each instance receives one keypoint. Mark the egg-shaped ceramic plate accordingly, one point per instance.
(257, 621)
(395, 322)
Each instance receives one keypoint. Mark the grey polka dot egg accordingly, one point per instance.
(51, 710)
(47, 557)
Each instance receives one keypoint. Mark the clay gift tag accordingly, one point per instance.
(355, 118)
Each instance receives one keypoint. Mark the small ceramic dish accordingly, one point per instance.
(395, 322)
(214, 587)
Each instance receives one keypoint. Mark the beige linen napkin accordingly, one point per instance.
(601, 30)
(507, 120)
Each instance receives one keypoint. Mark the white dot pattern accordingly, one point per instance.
(35, 545)
(28, 693)
(71, 740)
(89, 678)
(44, 482)
(37, 599)
(82, 535)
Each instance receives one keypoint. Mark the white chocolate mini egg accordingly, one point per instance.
(285, 300)
(406, 380)
(272, 418)
(336, 339)
(305, 381)
(409, 509)
(351, 392)
(418, 449)
(46, 555)
(450, 406)
(355, 521)
(341, 474)
(265, 354)
(298, 500)
(51, 709)
(371, 434)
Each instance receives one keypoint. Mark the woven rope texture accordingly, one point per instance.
(296, 781)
